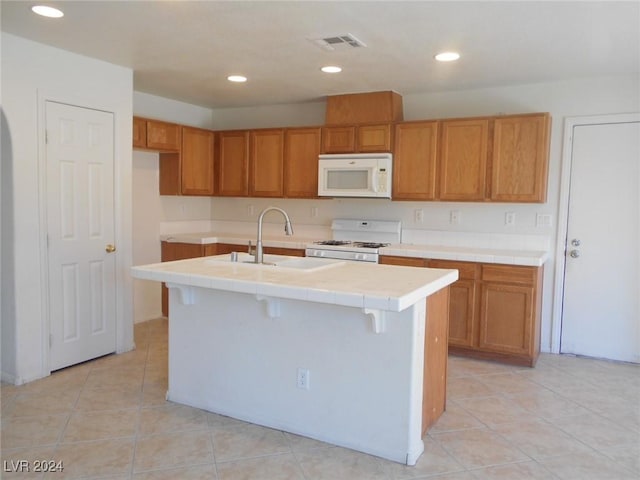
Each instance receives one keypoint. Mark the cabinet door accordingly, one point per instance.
(520, 158)
(301, 150)
(339, 139)
(163, 136)
(506, 318)
(266, 162)
(374, 138)
(414, 161)
(197, 161)
(233, 174)
(139, 132)
(463, 159)
(462, 302)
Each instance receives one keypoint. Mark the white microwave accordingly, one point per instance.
(355, 175)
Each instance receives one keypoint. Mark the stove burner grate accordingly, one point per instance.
(370, 244)
(333, 242)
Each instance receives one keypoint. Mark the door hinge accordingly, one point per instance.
(46, 137)
(50, 340)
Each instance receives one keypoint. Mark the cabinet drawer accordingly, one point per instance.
(509, 274)
(466, 270)
(402, 261)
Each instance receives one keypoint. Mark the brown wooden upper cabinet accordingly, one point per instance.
(301, 150)
(197, 162)
(266, 153)
(156, 135)
(414, 161)
(367, 107)
(463, 159)
(520, 158)
(139, 132)
(233, 163)
(357, 138)
(498, 159)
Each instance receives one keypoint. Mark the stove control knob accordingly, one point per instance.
(361, 256)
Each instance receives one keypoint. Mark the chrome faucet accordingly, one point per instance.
(288, 229)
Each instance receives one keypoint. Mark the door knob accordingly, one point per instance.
(574, 253)
(575, 242)
(110, 248)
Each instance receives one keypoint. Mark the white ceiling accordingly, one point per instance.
(185, 49)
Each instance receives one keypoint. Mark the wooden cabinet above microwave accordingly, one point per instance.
(357, 138)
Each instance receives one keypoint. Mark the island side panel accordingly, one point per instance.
(227, 355)
(435, 358)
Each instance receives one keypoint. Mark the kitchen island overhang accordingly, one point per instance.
(240, 337)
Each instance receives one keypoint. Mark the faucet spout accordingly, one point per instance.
(288, 229)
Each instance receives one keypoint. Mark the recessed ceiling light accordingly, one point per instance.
(46, 11)
(447, 56)
(237, 78)
(331, 69)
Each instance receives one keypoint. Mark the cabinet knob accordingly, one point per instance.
(575, 242)
(574, 253)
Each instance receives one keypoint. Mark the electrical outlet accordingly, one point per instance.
(303, 378)
(454, 217)
(510, 218)
(314, 212)
(250, 210)
(543, 220)
(418, 215)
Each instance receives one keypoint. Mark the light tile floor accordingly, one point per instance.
(568, 418)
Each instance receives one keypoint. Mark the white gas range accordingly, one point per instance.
(356, 240)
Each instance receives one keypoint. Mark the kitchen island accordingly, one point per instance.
(349, 353)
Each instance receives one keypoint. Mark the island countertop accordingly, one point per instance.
(352, 284)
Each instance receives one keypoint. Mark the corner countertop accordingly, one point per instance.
(532, 258)
(353, 284)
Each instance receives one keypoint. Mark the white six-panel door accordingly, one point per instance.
(601, 306)
(80, 224)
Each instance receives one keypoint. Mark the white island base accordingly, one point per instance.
(242, 355)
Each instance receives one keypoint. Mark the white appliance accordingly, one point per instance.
(357, 240)
(355, 175)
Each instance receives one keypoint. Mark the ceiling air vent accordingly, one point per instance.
(338, 42)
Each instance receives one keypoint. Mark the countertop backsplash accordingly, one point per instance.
(501, 241)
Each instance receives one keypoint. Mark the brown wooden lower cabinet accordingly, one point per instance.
(434, 396)
(463, 304)
(494, 310)
(171, 251)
